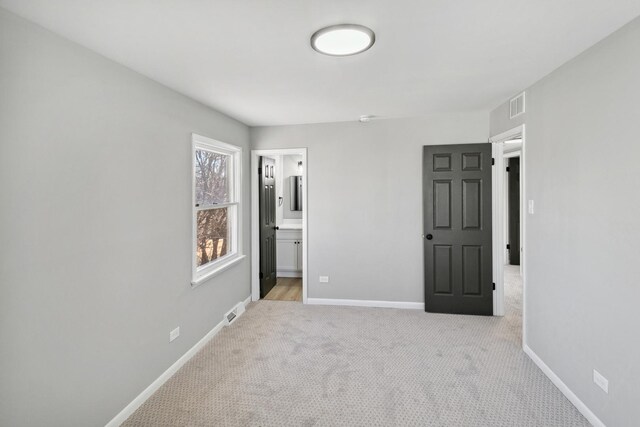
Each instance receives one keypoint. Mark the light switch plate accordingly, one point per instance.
(324, 279)
(531, 207)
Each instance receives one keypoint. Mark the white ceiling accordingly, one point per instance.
(251, 59)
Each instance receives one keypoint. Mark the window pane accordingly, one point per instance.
(213, 235)
(212, 177)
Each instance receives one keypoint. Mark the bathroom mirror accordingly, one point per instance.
(295, 186)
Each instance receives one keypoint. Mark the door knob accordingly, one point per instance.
(276, 228)
(429, 236)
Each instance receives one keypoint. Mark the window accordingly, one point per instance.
(216, 207)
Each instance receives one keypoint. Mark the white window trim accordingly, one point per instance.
(201, 274)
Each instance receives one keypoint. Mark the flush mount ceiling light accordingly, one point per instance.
(343, 39)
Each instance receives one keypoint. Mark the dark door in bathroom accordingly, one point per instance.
(267, 225)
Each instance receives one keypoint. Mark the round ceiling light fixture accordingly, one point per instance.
(343, 39)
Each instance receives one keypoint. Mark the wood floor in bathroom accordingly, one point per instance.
(286, 289)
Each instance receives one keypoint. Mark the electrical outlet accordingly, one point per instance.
(174, 334)
(531, 207)
(324, 279)
(601, 381)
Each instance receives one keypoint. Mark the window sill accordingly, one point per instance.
(204, 276)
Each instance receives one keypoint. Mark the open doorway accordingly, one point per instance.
(279, 238)
(512, 278)
(509, 221)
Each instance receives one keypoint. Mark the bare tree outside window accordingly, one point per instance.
(213, 235)
(212, 178)
(212, 188)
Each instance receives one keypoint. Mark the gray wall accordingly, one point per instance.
(365, 199)
(95, 230)
(583, 241)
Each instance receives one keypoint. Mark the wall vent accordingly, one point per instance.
(231, 316)
(516, 106)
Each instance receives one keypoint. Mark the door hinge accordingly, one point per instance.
(493, 161)
(507, 168)
(508, 246)
(494, 286)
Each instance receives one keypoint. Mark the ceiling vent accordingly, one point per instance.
(516, 106)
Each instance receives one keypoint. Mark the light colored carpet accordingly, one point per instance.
(287, 364)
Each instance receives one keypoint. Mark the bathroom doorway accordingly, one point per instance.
(279, 238)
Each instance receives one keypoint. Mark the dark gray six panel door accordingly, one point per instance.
(267, 225)
(457, 227)
(514, 211)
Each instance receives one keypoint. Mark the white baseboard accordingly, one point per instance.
(365, 303)
(579, 404)
(142, 397)
(247, 301)
(289, 273)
